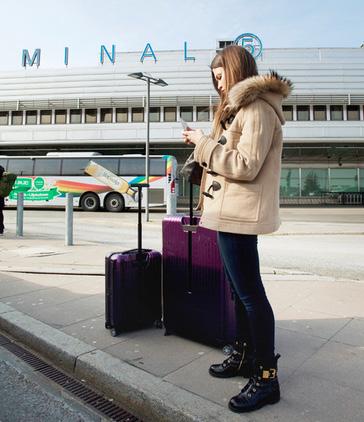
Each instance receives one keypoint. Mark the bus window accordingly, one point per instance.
(136, 167)
(3, 162)
(109, 163)
(74, 166)
(21, 166)
(47, 167)
(157, 167)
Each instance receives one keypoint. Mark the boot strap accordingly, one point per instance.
(269, 373)
(242, 355)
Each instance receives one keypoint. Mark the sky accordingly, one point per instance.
(85, 25)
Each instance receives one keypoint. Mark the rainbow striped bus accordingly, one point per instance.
(45, 180)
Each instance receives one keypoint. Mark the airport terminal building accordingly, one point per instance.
(102, 109)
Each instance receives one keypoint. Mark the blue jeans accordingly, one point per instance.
(254, 314)
(2, 205)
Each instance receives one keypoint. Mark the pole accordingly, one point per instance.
(147, 155)
(20, 214)
(69, 220)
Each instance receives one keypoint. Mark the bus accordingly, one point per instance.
(45, 180)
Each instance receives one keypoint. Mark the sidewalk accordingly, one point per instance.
(52, 299)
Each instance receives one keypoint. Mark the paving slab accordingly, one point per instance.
(339, 363)
(283, 294)
(352, 333)
(92, 331)
(339, 298)
(68, 313)
(194, 377)
(312, 323)
(156, 353)
(295, 348)
(319, 399)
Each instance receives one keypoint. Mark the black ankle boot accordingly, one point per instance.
(238, 363)
(262, 389)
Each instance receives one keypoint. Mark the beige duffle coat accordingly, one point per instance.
(241, 178)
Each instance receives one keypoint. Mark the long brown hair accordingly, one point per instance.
(238, 65)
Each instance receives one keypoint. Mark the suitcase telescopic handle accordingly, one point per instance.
(139, 186)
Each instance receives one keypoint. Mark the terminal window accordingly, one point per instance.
(186, 113)
(319, 112)
(155, 114)
(137, 114)
(91, 115)
(61, 117)
(4, 118)
(45, 117)
(106, 115)
(17, 118)
(75, 116)
(336, 112)
(343, 180)
(288, 112)
(314, 181)
(31, 117)
(303, 113)
(121, 115)
(353, 112)
(290, 182)
(202, 114)
(170, 114)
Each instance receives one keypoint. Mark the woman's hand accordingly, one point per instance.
(192, 136)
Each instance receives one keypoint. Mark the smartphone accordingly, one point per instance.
(184, 124)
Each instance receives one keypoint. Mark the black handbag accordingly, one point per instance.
(192, 171)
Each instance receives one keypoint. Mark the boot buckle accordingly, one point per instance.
(269, 373)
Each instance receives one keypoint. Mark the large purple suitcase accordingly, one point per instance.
(197, 300)
(133, 287)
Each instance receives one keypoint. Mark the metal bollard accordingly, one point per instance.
(172, 204)
(69, 220)
(20, 214)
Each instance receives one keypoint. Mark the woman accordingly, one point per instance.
(240, 199)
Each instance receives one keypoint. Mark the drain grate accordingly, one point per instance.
(85, 394)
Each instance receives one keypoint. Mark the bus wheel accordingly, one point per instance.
(114, 202)
(90, 202)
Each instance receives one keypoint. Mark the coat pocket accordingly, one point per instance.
(241, 202)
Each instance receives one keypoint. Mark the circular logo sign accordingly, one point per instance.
(39, 183)
(251, 43)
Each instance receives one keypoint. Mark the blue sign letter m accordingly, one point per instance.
(26, 58)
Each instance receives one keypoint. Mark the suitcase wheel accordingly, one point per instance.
(158, 324)
(167, 333)
(114, 333)
(107, 326)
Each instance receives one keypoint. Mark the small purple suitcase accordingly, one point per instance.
(133, 287)
(197, 300)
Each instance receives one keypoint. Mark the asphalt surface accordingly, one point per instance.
(27, 396)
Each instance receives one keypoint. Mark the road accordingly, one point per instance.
(323, 241)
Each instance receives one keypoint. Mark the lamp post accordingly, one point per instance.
(148, 79)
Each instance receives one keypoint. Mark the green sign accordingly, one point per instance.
(33, 189)
(22, 184)
(39, 183)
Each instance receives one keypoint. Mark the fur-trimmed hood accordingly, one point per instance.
(271, 88)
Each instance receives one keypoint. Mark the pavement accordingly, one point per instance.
(52, 300)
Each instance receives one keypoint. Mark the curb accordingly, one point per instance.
(147, 396)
